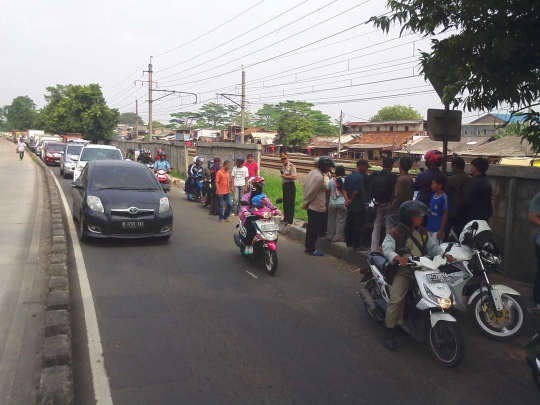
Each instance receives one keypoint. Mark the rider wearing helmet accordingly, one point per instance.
(412, 235)
(434, 160)
(315, 203)
(145, 157)
(163, 164)
(195, 173)
(158, 154)
(256, 199)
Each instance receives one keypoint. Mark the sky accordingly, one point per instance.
(321, 51)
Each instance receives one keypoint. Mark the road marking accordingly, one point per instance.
(251, 274)
(102, 390)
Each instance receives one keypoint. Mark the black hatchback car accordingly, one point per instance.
(121, 199)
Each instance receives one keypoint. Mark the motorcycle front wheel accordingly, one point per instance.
(446, 343)
(498, 326)
(270, 261)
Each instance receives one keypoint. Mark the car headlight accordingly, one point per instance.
(94, 203)
(164, 205)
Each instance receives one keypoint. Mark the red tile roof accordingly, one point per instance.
(383, 138)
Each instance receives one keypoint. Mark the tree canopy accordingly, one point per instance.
(396, 112)
(77, 108)
(130, 118)
(490, 63)
(213, 115)
(21, 114)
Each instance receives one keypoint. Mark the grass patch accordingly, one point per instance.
(274, 190)
(174, 173)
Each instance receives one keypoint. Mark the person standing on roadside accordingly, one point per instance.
(252, 166)
(216, 167)
(355, 200)
(404, 185)
(434, 160)
(337, 210)
(534, 218)
(21, 146)
(239, 183)
(455, 189)
(476, 202)
(288, 177)
(381, 187)
(315, 203)
(222, 184)
(438, 220)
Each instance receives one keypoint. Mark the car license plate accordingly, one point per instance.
(132, 224)
(437, 277)
(268, 226)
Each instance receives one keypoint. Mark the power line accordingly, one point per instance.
(137, 89)
(138, 69)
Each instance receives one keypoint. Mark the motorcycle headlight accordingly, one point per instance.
(443, 302)
(164, 205)
(267, 215)
(94, 203)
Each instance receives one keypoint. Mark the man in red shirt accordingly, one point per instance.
(252, 166)
(222, 192)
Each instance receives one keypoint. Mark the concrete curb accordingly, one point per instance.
(56, 384)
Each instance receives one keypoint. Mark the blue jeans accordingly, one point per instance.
(224, 198)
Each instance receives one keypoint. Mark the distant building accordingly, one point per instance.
(385, 126)
(488, 125)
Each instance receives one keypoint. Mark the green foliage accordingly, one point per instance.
(511, 129)
(3, 118)
(213, 115)
(491, 62)
(157, 124)
(396, 112)
(274, 190)
(21, 114)
(130, 118)
(78, 108)
(184, 120)
(298, 129)
(267, 117)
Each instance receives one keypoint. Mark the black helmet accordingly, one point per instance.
(210, 162)
(411, 208)
(239, 159)
(324, 163)
(163, 154)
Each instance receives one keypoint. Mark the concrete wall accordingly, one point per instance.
(228, 150)
(513, 189)
(177, 153)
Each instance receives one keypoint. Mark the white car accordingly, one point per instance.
(96, 152)
(70, 156)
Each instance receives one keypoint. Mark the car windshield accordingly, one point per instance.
(74, 150)
(101, 154)
(55, 147)
(118, 177)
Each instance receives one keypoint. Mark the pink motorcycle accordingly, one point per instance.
(266, 235)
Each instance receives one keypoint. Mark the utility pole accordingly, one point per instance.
(136, 119)
(150, 99)
(340, 132)
(243, 106)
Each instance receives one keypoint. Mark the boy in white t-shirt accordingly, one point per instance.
(238, 182)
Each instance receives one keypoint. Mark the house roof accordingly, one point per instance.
(508, 146)
(465, 145)
(382, 138)
(498, 118)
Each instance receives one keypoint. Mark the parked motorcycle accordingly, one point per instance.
(495, 308)
(424, 316)
(163, 178)
(266, 236)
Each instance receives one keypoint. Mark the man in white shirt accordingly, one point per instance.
(21, 146)
(238, 182)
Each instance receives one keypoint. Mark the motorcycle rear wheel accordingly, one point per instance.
(270, 261)
(446, 343)
(485, 323)
(377, 316)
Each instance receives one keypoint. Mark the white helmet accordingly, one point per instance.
(195, 159)
(482, 234)
(199, 159)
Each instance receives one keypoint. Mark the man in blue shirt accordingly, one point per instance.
(355, 200)
(163, 164)
(534, 218)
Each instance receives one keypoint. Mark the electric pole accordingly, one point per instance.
(136, 119)
(243, 106)
(150, 100)
(340, 132)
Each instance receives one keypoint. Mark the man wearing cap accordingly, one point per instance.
(288, 176)
(355, 200)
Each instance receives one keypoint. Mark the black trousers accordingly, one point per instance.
(289, 195)
(21, 154)
(316, 223)
(354, 228)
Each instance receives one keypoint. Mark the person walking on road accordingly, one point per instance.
(355, 200)
(252, 166)
(222, 184)
(21, 146)
(404, 185)
(238, 183)
(288, 177)
(476, 202)
(534, 218)
(455, 189)
(337, 211)
(380, 188)
(315, 203)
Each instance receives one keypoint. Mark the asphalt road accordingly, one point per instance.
(193, 322)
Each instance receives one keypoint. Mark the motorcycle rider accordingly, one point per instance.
(145, 158)
(158, 154)
(194, 172)
(256, 200)
(409, 234)
(163, 164)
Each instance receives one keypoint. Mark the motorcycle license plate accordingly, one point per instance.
(267, 227)
(437, 277)
(132, 224)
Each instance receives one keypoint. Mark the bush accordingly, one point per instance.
(273, 190)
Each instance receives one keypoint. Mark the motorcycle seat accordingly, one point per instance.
(377, 260)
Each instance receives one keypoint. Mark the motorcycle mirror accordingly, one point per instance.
(279, 200)
(244, 203)
(166, 187)
(474, 226)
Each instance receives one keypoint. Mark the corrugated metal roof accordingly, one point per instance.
(425, 144)
(508, 146)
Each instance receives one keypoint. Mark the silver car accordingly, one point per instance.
(69, 158)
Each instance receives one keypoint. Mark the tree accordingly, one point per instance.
(298, 129)
(396, 112)
(3, 118)
(21, 114)
(184, 119)
(511, 129)
(78, 108)
(267, 117)
(157, 124)
(213, 115)
(491, 62)
(130, 118)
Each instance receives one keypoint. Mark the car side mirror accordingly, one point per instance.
(127, 160)
(75, 158)
(166, 187)
(78, 185)
(279, 200)
(244, 203)
(61, 152)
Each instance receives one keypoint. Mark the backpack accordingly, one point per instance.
(382, 185)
